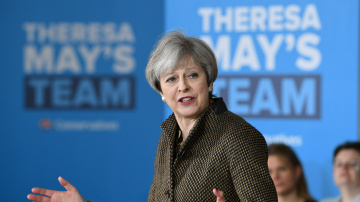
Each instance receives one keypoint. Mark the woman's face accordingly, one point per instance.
(347, 168)
(283, 174)
(186, 90)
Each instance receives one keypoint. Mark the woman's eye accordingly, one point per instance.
(171, 79)
(193, 75)
(282, 169)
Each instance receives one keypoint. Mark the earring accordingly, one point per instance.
(163, 98)
(210, 89)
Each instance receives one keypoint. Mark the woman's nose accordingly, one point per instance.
(183, 85)
(274, 175)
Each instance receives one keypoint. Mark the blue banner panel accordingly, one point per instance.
(290, 68)
(64, 92)
(75, 100)
(271, 96)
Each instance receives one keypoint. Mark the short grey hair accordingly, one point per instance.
(173, 50)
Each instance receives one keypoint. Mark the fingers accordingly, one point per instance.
(38, 198)
(42, 191)
(219, 195)
(66, 184)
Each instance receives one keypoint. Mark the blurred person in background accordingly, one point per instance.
(346, 172)
(287, 173)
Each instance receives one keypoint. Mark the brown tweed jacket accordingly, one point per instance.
(222, 151)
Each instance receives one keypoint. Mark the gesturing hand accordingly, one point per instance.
(219, 195)
(71, 195)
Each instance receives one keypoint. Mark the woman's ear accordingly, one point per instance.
(211, 87)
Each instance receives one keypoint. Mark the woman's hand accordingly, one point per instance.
(219, 195)
(71, 195)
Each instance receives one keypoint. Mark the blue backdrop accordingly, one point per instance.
(75, 101)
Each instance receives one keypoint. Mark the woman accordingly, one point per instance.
(205, 152)
(347, 172)
(287, 174)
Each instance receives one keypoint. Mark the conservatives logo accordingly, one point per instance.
(79, 65)
(45, 124)
(64, 125)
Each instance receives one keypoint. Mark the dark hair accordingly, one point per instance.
(285, 151)
(347, 145)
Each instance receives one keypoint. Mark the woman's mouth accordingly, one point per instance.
(186, 100)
